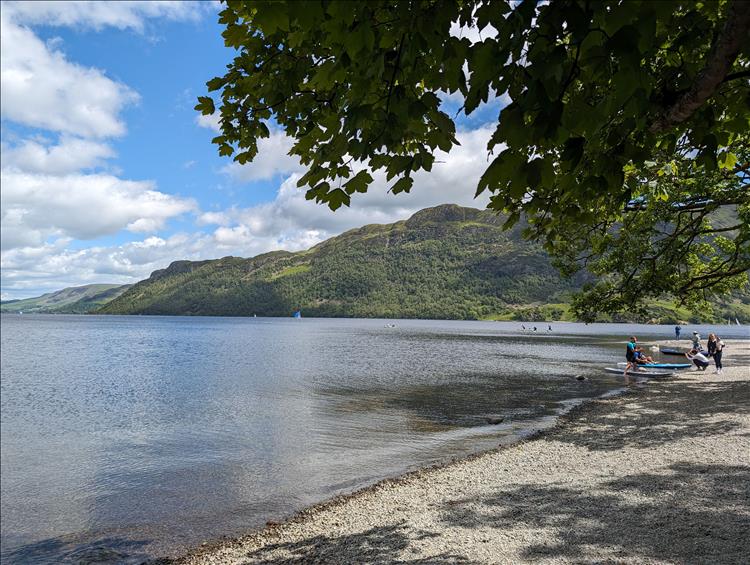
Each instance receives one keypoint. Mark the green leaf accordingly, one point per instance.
(358, 183)
(336, 198)
(205, 105)
(403, 184)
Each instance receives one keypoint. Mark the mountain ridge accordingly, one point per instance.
(445, 262)
(70, 300)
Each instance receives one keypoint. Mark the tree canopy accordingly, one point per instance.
(609, 102)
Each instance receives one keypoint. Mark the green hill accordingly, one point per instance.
(71, 300)
(443, 262)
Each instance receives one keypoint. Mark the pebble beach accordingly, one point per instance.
(659, 474)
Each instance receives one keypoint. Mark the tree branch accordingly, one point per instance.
(718, 63)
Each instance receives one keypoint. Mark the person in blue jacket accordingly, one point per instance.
(677, 330)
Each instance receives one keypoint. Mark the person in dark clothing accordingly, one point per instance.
(631, 357)
(677, 330)
(716, 350)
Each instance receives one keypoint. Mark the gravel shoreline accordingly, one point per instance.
(660, 474)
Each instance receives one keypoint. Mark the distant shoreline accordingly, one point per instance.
(520, 503)
(541, 330)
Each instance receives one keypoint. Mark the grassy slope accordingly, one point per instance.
(71, 300)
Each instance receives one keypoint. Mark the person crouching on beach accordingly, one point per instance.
(698, 359)
(715, 350)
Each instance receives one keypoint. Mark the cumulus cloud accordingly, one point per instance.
(41, 88)
(292, 222)
(51, 266)
(210, 121)
(273, 159)
(99, 14)
(55, 192)
(70, 155)
(37, 206)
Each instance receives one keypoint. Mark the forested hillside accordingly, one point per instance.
(443, 262)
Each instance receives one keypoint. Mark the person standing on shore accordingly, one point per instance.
(715, 350)
(631, 357)
(677, 330)
(696, 341)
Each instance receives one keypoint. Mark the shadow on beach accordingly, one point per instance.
(684, 513)
(381, 545)
(669, 412)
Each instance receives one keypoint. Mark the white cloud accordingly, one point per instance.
(36, 207)
(70, 155)
(34, 270)
(99, 14)
(210, 121)
(292, 222)
(41, 88)
(273, 159)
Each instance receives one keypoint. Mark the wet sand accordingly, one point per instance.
(660, 474)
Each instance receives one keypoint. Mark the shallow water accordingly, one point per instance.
(125, 438)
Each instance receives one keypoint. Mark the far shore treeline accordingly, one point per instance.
(446, 262)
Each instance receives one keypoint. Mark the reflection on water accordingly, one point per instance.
(130, 437)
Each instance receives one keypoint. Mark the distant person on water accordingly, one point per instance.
(534, 328)
(677, 330)
(716, 350)
(698, 359)
(696, 341)
(549, 328)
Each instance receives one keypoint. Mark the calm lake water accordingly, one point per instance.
(125, 438)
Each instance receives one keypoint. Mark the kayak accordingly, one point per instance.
(643, 373)
(674, 366)
(671, 351)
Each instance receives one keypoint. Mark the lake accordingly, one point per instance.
(127, 438)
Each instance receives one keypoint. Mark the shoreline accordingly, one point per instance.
(426, 516)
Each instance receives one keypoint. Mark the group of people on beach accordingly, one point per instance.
(701, 357)
(635, 355)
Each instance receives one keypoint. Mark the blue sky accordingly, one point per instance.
(108, 173)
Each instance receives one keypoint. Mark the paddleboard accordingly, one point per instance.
(675, 366)
(672, 351)
(644, 373)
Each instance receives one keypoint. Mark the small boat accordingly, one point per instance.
(673, 366)
(641, 373)
(671, 351)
